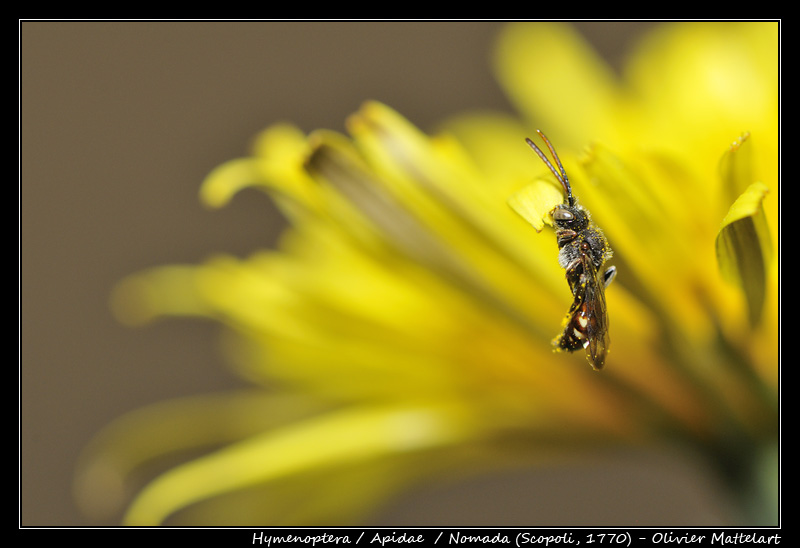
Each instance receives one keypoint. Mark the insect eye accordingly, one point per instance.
(563, 215)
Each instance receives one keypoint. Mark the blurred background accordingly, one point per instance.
(119, 124)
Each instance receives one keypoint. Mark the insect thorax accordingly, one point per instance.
(574, 227)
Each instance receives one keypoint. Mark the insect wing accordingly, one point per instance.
(586, 324)
(597, 327)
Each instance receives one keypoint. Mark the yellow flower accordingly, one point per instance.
(402, 329)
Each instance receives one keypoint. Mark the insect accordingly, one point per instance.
(583, 250)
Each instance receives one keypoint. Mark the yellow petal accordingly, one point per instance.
(722, 77)
(228, 179)
(160, 291)
(347, 436)
(736, 168)
(276, 167)
(145, 436)
(496, 145)
(535, 203)
(418, 209)
(744, 247)
(555, 77)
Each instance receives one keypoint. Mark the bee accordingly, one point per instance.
(582, 251)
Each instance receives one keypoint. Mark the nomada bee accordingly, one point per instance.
(583, 250)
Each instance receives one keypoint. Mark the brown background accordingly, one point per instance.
(119, 123)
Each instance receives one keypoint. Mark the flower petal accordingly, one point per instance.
(276, 167)
(145, 437)
(348, 436)
(744, 247)
(719, 76)
(226, 180)
(535, 203)
(555, 77)
(736, 168)
(160, 291)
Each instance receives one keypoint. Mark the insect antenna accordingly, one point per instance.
(562, 177)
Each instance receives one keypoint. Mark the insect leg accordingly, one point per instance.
(609, 275)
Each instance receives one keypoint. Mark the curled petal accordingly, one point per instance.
(744, 247)
(736, 168)
(228, 179)
(276, 167)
